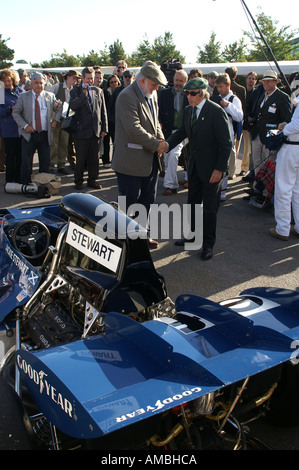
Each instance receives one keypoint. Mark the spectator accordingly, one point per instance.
(273, 108)
(33, 114)
(139, 139)
(205, 124)
(59, 146)
(112, 83)
(9, 128)
(211, 77)
(121, 66)
(195, 73)
(251, 81)
(99, 79)
(233, 107)
(88, 102)
(24, 81)
(172, 101)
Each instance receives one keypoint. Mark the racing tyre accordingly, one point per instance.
(284, 404)
(13, 432)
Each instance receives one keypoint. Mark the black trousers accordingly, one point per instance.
(207, 194)
(38, 142)
(13, 160)
(139, 189)
(87, 155)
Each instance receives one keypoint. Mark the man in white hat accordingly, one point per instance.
(139, 139)
(274, 108)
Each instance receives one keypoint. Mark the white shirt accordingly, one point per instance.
(43, 110)
(234, 111)
(199, 107)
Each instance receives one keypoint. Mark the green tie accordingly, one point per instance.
(194, 117)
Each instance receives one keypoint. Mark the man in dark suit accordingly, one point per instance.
(91, 125)
(171, 102)
(273, 108)
(206, 125)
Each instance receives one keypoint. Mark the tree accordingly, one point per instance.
(211, 54)
(62, 60)
(144, 52)
(235, 52)
(6, 54)
(116, 52)
(162, 49)
(280, 40)
(91, 59)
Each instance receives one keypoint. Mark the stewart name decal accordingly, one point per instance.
(101, 251)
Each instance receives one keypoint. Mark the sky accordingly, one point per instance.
(36, 30)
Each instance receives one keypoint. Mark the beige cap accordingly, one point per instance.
(152, 71)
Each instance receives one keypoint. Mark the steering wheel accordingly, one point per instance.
(31, 238)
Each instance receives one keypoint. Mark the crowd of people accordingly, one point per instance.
(147, 125)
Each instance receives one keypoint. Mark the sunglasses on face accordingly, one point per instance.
(192, 93)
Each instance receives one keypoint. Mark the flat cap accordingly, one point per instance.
(37, 75)
(196, 83)
(153, 72)
(270, 75)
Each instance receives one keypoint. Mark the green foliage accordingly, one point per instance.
(280, 40)
(162, 49)
(62, 60)
(6, 54)
(211, 54)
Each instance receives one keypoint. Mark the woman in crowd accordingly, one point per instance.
(9, 128)
(112, 83)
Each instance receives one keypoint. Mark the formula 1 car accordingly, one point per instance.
(95, 355)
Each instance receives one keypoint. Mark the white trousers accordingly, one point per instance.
(171, 165)
(286, 192)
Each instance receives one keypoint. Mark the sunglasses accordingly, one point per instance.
(192, 93)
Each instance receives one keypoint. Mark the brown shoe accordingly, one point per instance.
(94, 185)
(79, 186)
(295, 233)
(186, 185)
(152, 243)
(273, 233)
(182, 182)
(170, 192)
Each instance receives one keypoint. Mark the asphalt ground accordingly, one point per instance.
(245, 256)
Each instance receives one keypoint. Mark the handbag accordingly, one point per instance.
(274, 139)
(68, 123)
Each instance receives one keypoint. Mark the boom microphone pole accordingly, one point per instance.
(267, 46)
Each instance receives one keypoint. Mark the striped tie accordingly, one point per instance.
(38, 121)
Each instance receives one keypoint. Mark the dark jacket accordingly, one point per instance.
(210, 141)
(276, 109)
(89, 119)
(9, 127)
(166, 110)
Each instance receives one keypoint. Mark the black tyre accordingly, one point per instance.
(13, 431)
(284, 403)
